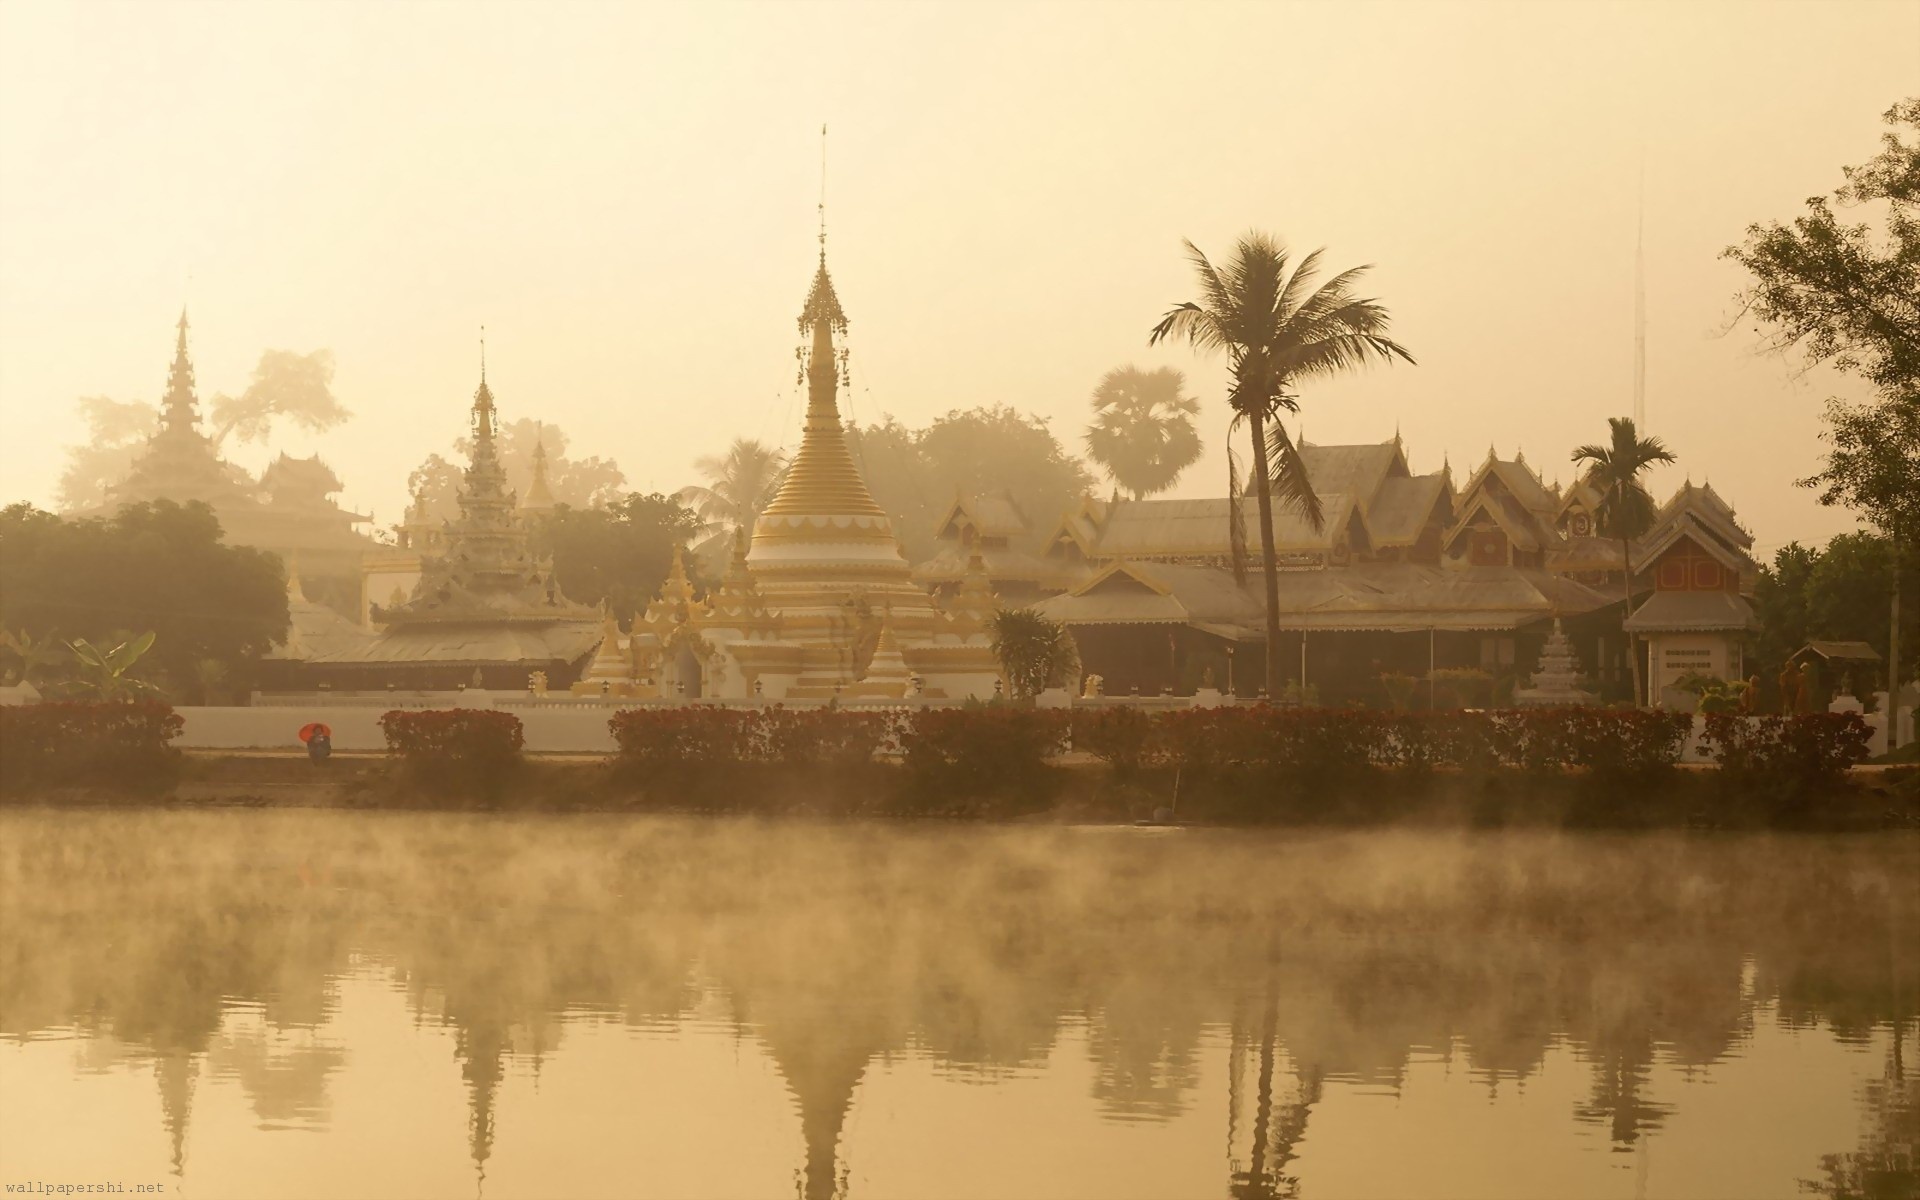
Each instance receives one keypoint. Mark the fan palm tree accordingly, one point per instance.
(739, 484)
(1142, 432)
(1626, 508)
(1278, 328)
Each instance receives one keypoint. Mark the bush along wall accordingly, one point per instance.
(988, 759)
(117, 746)
(1790, 762)
(455, 751)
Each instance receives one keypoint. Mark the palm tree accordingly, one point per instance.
(1278, 329)
(1626, 508)
(1035, 653)
(740, 483)
(1142, 431)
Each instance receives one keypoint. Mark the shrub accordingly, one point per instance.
(696, 735)
(984, 757)
(1808, 748)
(455, 748)
(1121, 736)
(115, 744)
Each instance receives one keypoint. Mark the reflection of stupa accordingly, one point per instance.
(802, 613)
(1556, 680)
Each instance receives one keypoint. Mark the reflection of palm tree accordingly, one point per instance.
(1142, 430)
(1277, 329)
(739, 484)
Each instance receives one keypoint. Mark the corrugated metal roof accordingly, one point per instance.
(1683, 612)
(471, 645)
(1400, 508)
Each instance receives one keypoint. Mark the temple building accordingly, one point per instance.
(1698, 560)
(1409, 573)
(290, 510)
(821, 603)
(483, 612)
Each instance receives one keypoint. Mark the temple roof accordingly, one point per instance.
(1691, 612)
(1401, 597)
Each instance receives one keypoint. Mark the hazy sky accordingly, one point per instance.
(624, 195)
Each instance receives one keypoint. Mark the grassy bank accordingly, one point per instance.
(1083, 791)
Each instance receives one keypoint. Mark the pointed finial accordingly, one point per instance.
(483, 354)
(823, 193)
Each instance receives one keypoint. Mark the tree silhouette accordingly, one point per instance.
(1142, 433)
(1626, 508)
(1278, 329)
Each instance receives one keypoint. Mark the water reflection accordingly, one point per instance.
(216, 946)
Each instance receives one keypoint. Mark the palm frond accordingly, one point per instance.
(1236, 512)
(1287, 476)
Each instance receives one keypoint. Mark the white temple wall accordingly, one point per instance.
(1673, 656)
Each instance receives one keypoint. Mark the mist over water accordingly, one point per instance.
(265, 1004)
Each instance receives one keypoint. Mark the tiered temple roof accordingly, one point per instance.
(483, 600)
(289, 511)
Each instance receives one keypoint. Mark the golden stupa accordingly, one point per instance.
(822, 604)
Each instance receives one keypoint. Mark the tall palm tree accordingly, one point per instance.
(739, 484)
(1278, 329)
(1142, 432)
(1626, 508)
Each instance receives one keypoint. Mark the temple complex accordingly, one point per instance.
(483, 611)
(821, 603)
(1409, 573)
(290, 510)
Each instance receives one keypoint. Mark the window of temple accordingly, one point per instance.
(1487, 548)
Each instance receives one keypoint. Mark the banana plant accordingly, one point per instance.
(36, 655)
(103, 673)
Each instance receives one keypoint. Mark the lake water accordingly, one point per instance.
(262, 1004)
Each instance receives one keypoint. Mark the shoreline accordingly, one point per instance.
(1081, 790)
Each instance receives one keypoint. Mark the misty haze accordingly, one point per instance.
(843, 600)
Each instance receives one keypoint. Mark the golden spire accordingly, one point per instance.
(822, 480)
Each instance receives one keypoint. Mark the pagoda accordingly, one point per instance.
(821, 604)
(484, 608)
(288, 511)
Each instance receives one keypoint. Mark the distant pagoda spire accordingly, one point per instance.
(539, 497)
(180, 409)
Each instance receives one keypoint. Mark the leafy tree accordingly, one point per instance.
(116, 430)
(577, 482)
(1842, 292)
(1849, 294)
(1278, 330)
(619, 553)
(1626, 508)
(739, 484)
(160, 567)
(1834, 592)
(286, 386)
(1142, 432)
(1035, 653)
(915, 474)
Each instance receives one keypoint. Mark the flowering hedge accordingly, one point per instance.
(1327, 742)
(1806, 747)
(988, 751)
(704, 735)
(477, 738)
(114, 743)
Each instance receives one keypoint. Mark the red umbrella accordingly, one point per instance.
(307, 732)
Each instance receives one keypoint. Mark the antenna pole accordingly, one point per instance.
(1640, 308)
